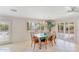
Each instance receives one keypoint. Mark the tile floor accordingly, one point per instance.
(61, 46)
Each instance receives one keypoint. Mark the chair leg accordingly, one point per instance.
(33, 46)
(54, 41)
(45, 46)
(40, 46)
(49, 43)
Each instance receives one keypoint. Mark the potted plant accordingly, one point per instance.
(50, 25)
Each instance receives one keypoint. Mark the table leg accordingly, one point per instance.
(39, 43)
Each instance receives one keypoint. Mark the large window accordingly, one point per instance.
(36, 25)
(4, 32)
(66, 27)
(71, 28)
(61, 27)
(3, 27)
(42, 25)
(66, 30)
(33, 26)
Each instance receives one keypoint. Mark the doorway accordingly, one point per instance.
(66, 31)
(5, 32)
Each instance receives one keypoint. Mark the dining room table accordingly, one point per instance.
(41, 36)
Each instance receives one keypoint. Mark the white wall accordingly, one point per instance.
(19, 32)
(17, 28)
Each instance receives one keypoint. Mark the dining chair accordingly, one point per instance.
(35, 40)
(52, 39)
(43, 41)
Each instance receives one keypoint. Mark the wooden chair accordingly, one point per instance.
(45, 42)
(52, 39)
(35, 41)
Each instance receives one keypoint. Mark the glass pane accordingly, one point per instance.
(4, 34)
(66, 27)
(28, 26)
(61, 27)
(71, 27)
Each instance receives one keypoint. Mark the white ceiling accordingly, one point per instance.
(39, 12)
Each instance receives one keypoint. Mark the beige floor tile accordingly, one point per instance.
(61, 46)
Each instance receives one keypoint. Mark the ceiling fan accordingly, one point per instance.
(72, 9)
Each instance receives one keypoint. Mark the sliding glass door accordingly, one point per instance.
(4, 32)
(66, 31)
